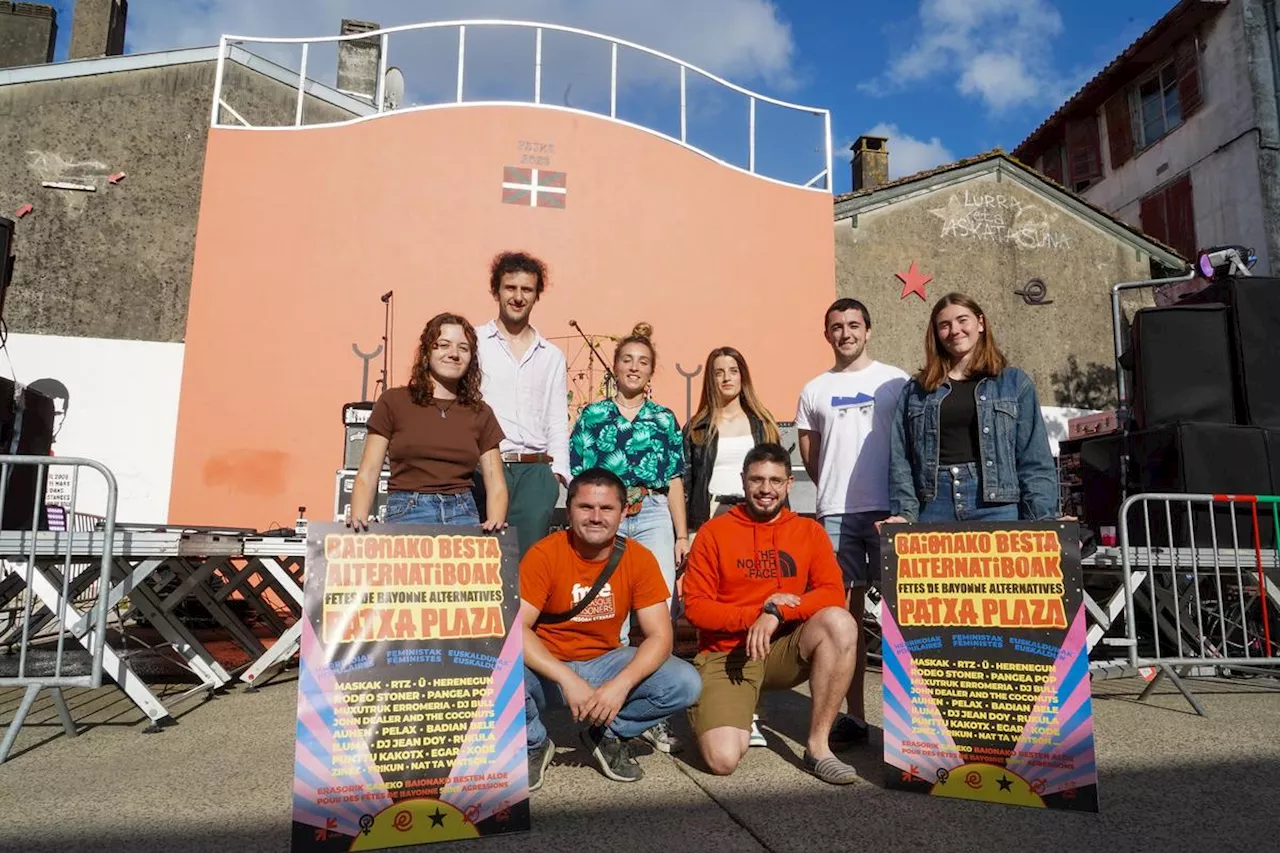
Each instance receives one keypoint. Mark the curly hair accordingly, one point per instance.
(420, 383)
(506, 263)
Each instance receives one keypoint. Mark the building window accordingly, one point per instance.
(1053, 163)
(1155, 103)
(1145, 112)
(1083, 152)
(1168, 215)
(1076, 162)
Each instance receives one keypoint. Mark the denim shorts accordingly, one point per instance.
(423, 508)
(959, 498)
(857, 545)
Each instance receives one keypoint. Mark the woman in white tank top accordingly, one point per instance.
(729, 422)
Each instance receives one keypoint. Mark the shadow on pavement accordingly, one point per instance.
(1189, 806)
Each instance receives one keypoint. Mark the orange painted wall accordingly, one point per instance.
(301, 231)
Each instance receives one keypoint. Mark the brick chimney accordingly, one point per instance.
(358, 60)
(97, 28)
(27, 34)
(870, 162)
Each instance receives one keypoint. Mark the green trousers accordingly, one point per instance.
(532, 491)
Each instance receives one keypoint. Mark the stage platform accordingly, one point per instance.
(1168, 780)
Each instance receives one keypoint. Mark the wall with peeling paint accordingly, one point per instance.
(114, 262)
(989, 238)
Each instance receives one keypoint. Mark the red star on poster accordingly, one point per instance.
(913, 281)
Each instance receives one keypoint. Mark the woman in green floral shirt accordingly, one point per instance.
(640, 441)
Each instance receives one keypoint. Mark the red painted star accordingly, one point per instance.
(913, 281)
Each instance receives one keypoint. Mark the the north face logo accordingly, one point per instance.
(768, 564)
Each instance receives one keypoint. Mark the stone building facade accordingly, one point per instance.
(1038, 259)
(27, 33)
(113, 258)
(1179, 135)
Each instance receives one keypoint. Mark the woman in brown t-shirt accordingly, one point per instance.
(437, 429)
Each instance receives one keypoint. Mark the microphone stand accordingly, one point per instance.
(610, 379)
(386, 334)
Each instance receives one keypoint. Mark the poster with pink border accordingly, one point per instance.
(411, 689)
(986, 668)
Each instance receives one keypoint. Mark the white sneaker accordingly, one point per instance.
(757, 737)
(661, 738)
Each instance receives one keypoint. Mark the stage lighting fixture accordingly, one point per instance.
(1223, 261)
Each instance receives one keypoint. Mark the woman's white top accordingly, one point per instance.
(726, 477)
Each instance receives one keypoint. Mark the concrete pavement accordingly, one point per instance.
(220, 780)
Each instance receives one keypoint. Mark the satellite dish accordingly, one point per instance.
(393, 88)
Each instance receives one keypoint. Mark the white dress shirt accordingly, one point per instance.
(529, 396)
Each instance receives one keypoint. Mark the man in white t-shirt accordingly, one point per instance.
(844, 418)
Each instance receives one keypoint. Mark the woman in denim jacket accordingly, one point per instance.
(968, 441)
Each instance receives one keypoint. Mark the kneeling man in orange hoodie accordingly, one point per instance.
(763, 588)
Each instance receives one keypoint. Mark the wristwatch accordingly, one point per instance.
(772, 610)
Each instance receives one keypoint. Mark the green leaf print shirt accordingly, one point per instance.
(646, 451)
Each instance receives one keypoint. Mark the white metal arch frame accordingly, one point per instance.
(378, 107)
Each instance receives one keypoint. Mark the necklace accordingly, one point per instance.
(444, 412)
(624, 406)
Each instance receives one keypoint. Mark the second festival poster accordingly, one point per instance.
(986, 669)
(410, 699)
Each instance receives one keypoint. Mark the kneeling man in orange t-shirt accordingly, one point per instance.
(572, 654)
(765, 592)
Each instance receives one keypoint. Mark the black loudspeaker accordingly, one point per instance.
(354, 448)
(1101, 481)
(345, 481)
(1200, 458)
(1182, 366)
(1273, 451)
(1254, 320)
(6, 258)
(789, 438)
(26, 429)
(355, 416)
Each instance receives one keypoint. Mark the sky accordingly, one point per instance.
(942, 79)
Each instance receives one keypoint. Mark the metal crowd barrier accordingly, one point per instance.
(34, 592)
(1202, 589)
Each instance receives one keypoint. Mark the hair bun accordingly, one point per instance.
(642, 330)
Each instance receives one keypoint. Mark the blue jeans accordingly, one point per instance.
(651, 527)
(423, 508)
(673, 687)
(959, 498)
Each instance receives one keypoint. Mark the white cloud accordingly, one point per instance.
(746, 41)
(995, 50)
(907, 154)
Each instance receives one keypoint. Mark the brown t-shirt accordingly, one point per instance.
(430, 453)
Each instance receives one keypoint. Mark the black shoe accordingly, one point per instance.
(539, 759)
(846, 732)
(612, 755)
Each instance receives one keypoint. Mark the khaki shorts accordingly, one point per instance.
(731, 683)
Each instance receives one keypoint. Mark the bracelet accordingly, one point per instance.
(682, 538)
